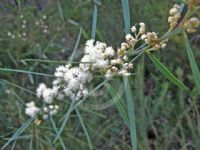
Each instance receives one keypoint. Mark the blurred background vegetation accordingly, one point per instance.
(35, 30)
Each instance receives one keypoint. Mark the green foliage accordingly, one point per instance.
(166, 72)
(193, 65)
(131, 115)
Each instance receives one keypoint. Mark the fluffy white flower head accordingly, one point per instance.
(31, 110)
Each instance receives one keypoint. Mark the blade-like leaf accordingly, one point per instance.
(84, 128)
(76, 45)
(126, 15)
(24, 71)
(117, 102)
(166, 72)
(192, 61)
(94, 23)
(66, 117)
(18, 132)
(131, 114)
(56, 130)
(61, 12)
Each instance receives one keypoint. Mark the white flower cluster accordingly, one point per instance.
(99, 56)
(71, 82)
(31, 109)
(96, 56)
(174, 16)
(192, 25)
(120, 65)
(51, 110)
(153, 40)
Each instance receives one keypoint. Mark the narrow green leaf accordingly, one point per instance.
(84, 128)
(17, 133)
(66, 117)
(97, 2)
(192, 61)
(76, 45)
(131, 113)
(126, 15)
(159, 102)
(45, 61)
(94, 22)
(117, 102)
(17, 86)
(31, 144)
(129, 100)
(166, 72)
(61, 12)
(24, 71)
(56, 130)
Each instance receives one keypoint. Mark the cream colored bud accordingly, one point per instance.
(176, 6)
(133, 29)
(191, 30)
(56, 107)
(130, 65)
(143, 36)
(45, 117)
(173, 11)
(129, 37)
(170, 19)
(45, 109)
(9, 33)
(123, 48)
(163, 45)
(177, 16)
(156, 47)
(114, 68)
(125, 58)
(142, 28)
(51, 107)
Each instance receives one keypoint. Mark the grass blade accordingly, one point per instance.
(94, 22)
(17, 86)
(66, 117)
(76, 45)
(17, 133)
(126, 15)
(56, 130)
(166, 72)
(26, 72)
(129, 100)
(131, 114)
(84, 128)
(192, 61)
(118, 104)
(61, 12)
